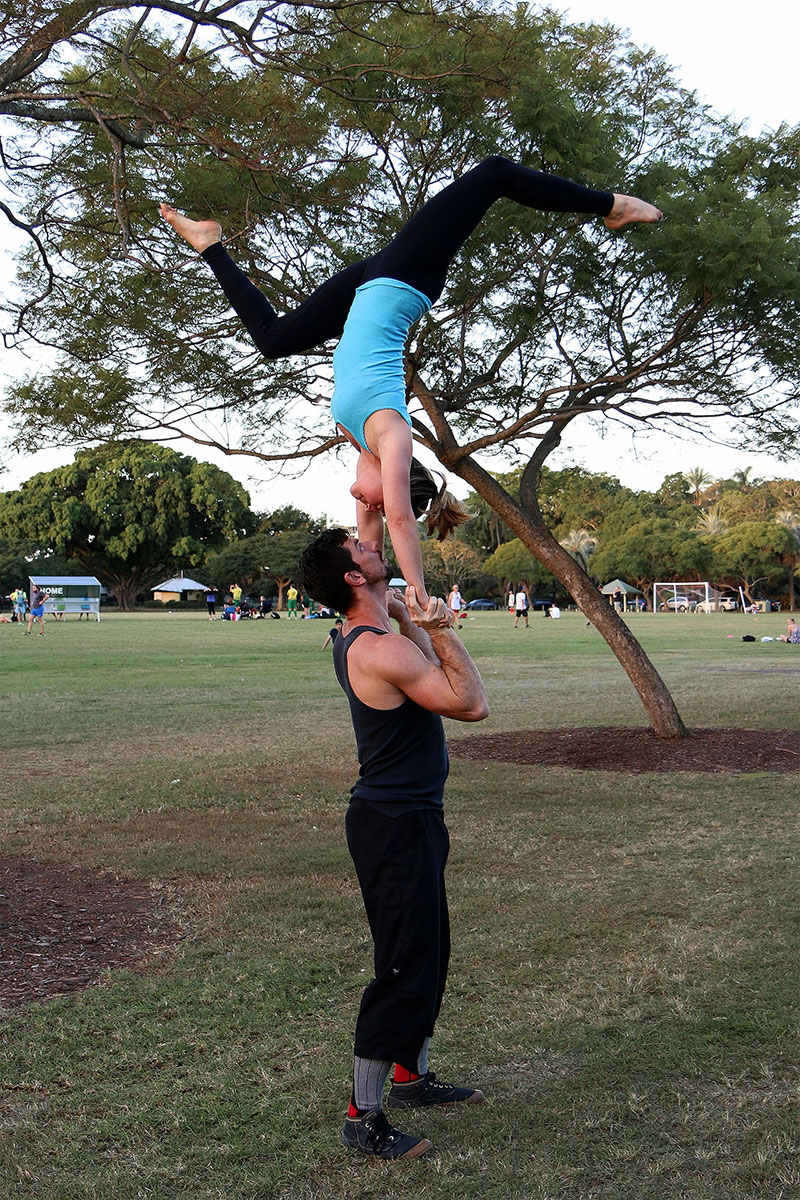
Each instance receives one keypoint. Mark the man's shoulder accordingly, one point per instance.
(377, 647)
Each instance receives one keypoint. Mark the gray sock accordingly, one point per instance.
(369, 1079)
(422, 1061)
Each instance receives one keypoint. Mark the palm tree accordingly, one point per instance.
(742, 479)
(581, 544)
(791, 521)
(712, 522)
(697, 480)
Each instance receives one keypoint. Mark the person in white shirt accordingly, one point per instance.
(554, 611)
(521, 606)
(455, 603)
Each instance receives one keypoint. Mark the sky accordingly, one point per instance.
(739, 62)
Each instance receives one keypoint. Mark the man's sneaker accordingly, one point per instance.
(428, 1090)
(372, 1134)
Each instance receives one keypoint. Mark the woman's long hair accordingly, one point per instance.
(441, 509)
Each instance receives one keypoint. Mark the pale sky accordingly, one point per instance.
(740, 60)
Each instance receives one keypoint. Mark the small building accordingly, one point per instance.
(70, 593)
(626, 590)
(179, 588)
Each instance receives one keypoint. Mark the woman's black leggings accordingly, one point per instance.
(419, 255)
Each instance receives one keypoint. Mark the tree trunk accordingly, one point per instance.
(534, 534)
(792, 566)
(125, 592)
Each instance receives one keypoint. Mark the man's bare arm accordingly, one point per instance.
(450, 684)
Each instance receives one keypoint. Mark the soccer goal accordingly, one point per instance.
(688, 597)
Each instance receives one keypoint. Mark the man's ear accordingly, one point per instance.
(354, 578)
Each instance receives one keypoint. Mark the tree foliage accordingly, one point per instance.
(128, 513)
(288, 125)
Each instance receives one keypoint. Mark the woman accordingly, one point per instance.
(371, 306)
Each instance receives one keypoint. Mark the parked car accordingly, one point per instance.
(763, 605)
(679, 604)
(482, 604)
(724, 604)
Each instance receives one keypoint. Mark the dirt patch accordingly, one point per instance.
(636, 750)
(62, 925)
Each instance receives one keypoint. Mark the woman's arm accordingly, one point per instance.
(393, 448)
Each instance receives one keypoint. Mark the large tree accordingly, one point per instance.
(129, 513)
(545, 319)
(754, 552)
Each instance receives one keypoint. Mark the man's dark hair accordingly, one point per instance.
(323, 566)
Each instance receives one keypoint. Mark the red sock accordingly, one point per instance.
(401, 1075)
(352, 1111)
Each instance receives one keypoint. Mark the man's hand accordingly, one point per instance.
(435, 616)
(395, 606)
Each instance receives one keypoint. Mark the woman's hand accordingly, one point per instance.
(435, 615)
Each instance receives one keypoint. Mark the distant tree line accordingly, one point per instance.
(134, 512)
(737, 532)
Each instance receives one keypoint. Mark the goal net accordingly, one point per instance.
(686, 597)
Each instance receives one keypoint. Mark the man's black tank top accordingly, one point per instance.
(401, 751)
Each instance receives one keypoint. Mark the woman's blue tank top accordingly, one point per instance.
(368, 362)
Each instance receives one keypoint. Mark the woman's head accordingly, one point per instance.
(428, 498)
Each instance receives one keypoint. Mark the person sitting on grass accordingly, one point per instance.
(792, 633)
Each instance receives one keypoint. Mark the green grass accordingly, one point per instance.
(624, 984)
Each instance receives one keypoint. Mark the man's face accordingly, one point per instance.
(369, 560)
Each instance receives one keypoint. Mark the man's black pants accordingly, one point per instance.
(400, 864)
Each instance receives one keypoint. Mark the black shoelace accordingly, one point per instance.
(379, 1132)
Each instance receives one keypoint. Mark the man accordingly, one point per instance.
(399, 685)
(521, 605)
(38, 597)
(291, 602)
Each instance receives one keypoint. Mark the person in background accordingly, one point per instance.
(333, 633)
(236, 592)
(211, 603)
(455, 603)
(20, 602)
(792, 632)
(521, 606)
(38, 598)
(291, 602)
(264, 606)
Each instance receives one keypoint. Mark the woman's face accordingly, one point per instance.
(368, 487)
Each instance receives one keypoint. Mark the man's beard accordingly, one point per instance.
(384, 576)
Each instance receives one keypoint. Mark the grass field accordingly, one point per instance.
(624, 983)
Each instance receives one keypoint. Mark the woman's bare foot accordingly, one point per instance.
(630, 209)
(199, 234)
